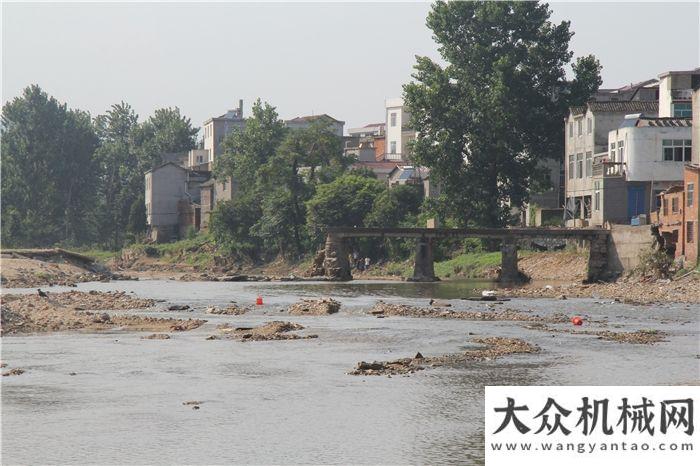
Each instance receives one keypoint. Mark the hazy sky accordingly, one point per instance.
(343, 59)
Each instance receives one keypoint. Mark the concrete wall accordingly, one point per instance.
(643, 152)
(696, 126)
(625, 245)
(165, 186)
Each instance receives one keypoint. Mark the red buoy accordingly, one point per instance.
(576, 320)
(259, 301)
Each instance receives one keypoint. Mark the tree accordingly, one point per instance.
(121, 178)
(343, 202)
(487, 118)
(245, 151)
(165, 132)
(49, 174)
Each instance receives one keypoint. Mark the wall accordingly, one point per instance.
(692, 214)
(167, 187)
(396, 133)
(625, 245)
(696, 125)
(644, 154)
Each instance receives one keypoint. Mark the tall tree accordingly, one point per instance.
(167, 131)
(49, 174)
(486, 118)
(120, 170)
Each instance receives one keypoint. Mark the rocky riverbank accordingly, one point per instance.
(631, 290)
(79, 311)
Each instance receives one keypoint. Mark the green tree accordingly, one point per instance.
(48, 171)
(164, 132)
(486, 118)
(343, 202)
(121, 178)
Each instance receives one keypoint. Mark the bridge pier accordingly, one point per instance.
(597, 258)
(335, 263)
(424, 270)
(509, 262)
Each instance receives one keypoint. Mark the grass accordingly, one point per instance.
(466, 265)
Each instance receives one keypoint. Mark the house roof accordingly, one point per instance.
(634, 106)
(302, 119)
(678, 188)
(158, 167)
(664, 122)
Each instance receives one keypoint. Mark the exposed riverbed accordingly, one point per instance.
(292, 401)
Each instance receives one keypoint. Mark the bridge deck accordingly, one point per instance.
(501, 233)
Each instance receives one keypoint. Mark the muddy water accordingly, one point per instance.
(291, 401)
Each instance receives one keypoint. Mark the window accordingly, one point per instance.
(664, 205)
(571, 129)
(579, 165)
(690, 192)
(579, 127)
(393, 119)
(612, 152)
(200, 159)
(657, 196)
(589, 125)
(589, 164)
(674, 205)
(224, 185)
(571, 167)
(621, 151)
(676, 150)
(596, 197)
(689, 232)
(392, 147)
(682, 110)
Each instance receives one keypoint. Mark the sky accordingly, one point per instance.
(342, 59)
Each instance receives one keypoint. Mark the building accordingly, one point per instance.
(586, 141)
(364, 143)
(336, 126)
(371, 130)
(546, 207)
(398, 131)
(678, 219)
(216, 129)
(172, 197)
(408, 174)
(675, 93)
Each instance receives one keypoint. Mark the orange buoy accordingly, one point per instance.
(576, 320)
(259, 301)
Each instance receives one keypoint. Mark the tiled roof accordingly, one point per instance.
(634, 106)
(665, 122)
(313, 117)
(578, 110)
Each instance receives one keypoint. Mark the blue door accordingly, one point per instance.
(636, 202)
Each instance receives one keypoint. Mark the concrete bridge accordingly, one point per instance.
(337, 265)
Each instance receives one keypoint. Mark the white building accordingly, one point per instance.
(398, 130)
(675, 93)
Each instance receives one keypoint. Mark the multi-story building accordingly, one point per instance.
(586, 141)
(398, 131)
(217, 128)
(172, 197)
(678, 219)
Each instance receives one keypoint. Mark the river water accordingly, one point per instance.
(292, 401)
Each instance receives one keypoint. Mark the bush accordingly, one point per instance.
(656, 263)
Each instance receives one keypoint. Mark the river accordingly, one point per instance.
(292, 401)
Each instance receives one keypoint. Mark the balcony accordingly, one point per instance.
(604, 169)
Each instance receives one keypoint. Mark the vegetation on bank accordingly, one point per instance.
(290, 184)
